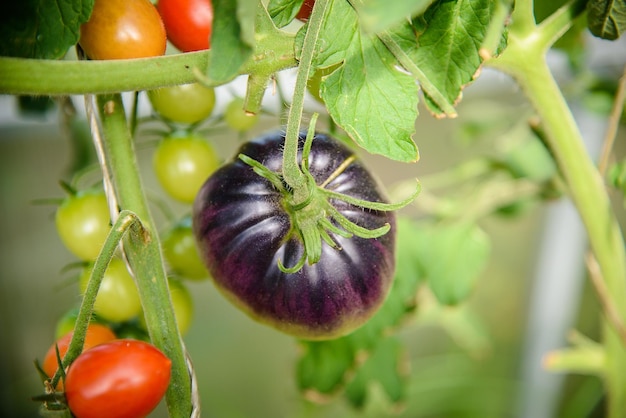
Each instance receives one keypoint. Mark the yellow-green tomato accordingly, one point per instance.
(183, 163)
(237, 118)
(181, 252)
(182, 303)
(83, 223)
(118, 298)
(185, 103)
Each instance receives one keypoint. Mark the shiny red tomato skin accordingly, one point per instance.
(188, 23)
(123, 29)
(120, 379)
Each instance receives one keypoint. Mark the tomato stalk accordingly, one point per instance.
(292, 174)
(142, 249)
(525, 60)
(123, 223)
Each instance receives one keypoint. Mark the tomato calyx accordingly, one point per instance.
(313, 217)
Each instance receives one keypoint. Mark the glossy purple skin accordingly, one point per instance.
(243, 229)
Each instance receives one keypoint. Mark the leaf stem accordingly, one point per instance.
(292, 174)
(142, 250)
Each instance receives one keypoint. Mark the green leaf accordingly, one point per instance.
(453, 256)
(326, 367)
(232, 38)
(368, 96)
(378, 15)
(386, 366)
(283, 12)
(447, 51)
(606, 18)
(41, 28)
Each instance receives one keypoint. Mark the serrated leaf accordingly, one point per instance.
(453, 258)
(325, 367)
(378, 15)
(232, 38)
(447, 51)
(283, 12)
(606, 18)
(385, 366)
(368, 96)
(41, 28)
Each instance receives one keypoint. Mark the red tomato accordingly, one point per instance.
(188, 23)
(122, 29)
(96, 334)
(305, 10)
(119, 379)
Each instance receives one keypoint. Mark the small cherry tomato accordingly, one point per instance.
(188, 23)
(181, 252)
(123, 29)
(83, 223)
(186, 103)
(119, 379)
(183, 163)
(182, 302)
(96, 334)
(237, 118)
(118, 298)
(67, 322)
(305, 10)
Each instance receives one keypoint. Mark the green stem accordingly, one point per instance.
(119, 228)
(142, 249)
(52, 77)
(292, 174)
(524, 59)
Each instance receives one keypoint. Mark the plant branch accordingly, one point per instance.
(614, 119)
(59, 78)
(143, 252)
(525, 60)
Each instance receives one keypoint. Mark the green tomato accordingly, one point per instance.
(83, 223)
(237, 118)
(67, 322)
(182, 164)
(181, 252)
(185, 103)
(118, 298)
(182, 303)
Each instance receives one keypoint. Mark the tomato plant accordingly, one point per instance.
(118, 379)
(96, 334)
(186, 103)
(188, 23)
(83, 223)
(120, 29)
(182, 163)
(363, 290)
(118, 299)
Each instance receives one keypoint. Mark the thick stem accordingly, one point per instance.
(52, 77)
(141, 247)
(292, 174)
(524, 59)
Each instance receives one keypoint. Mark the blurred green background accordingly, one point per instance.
(245, 369)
